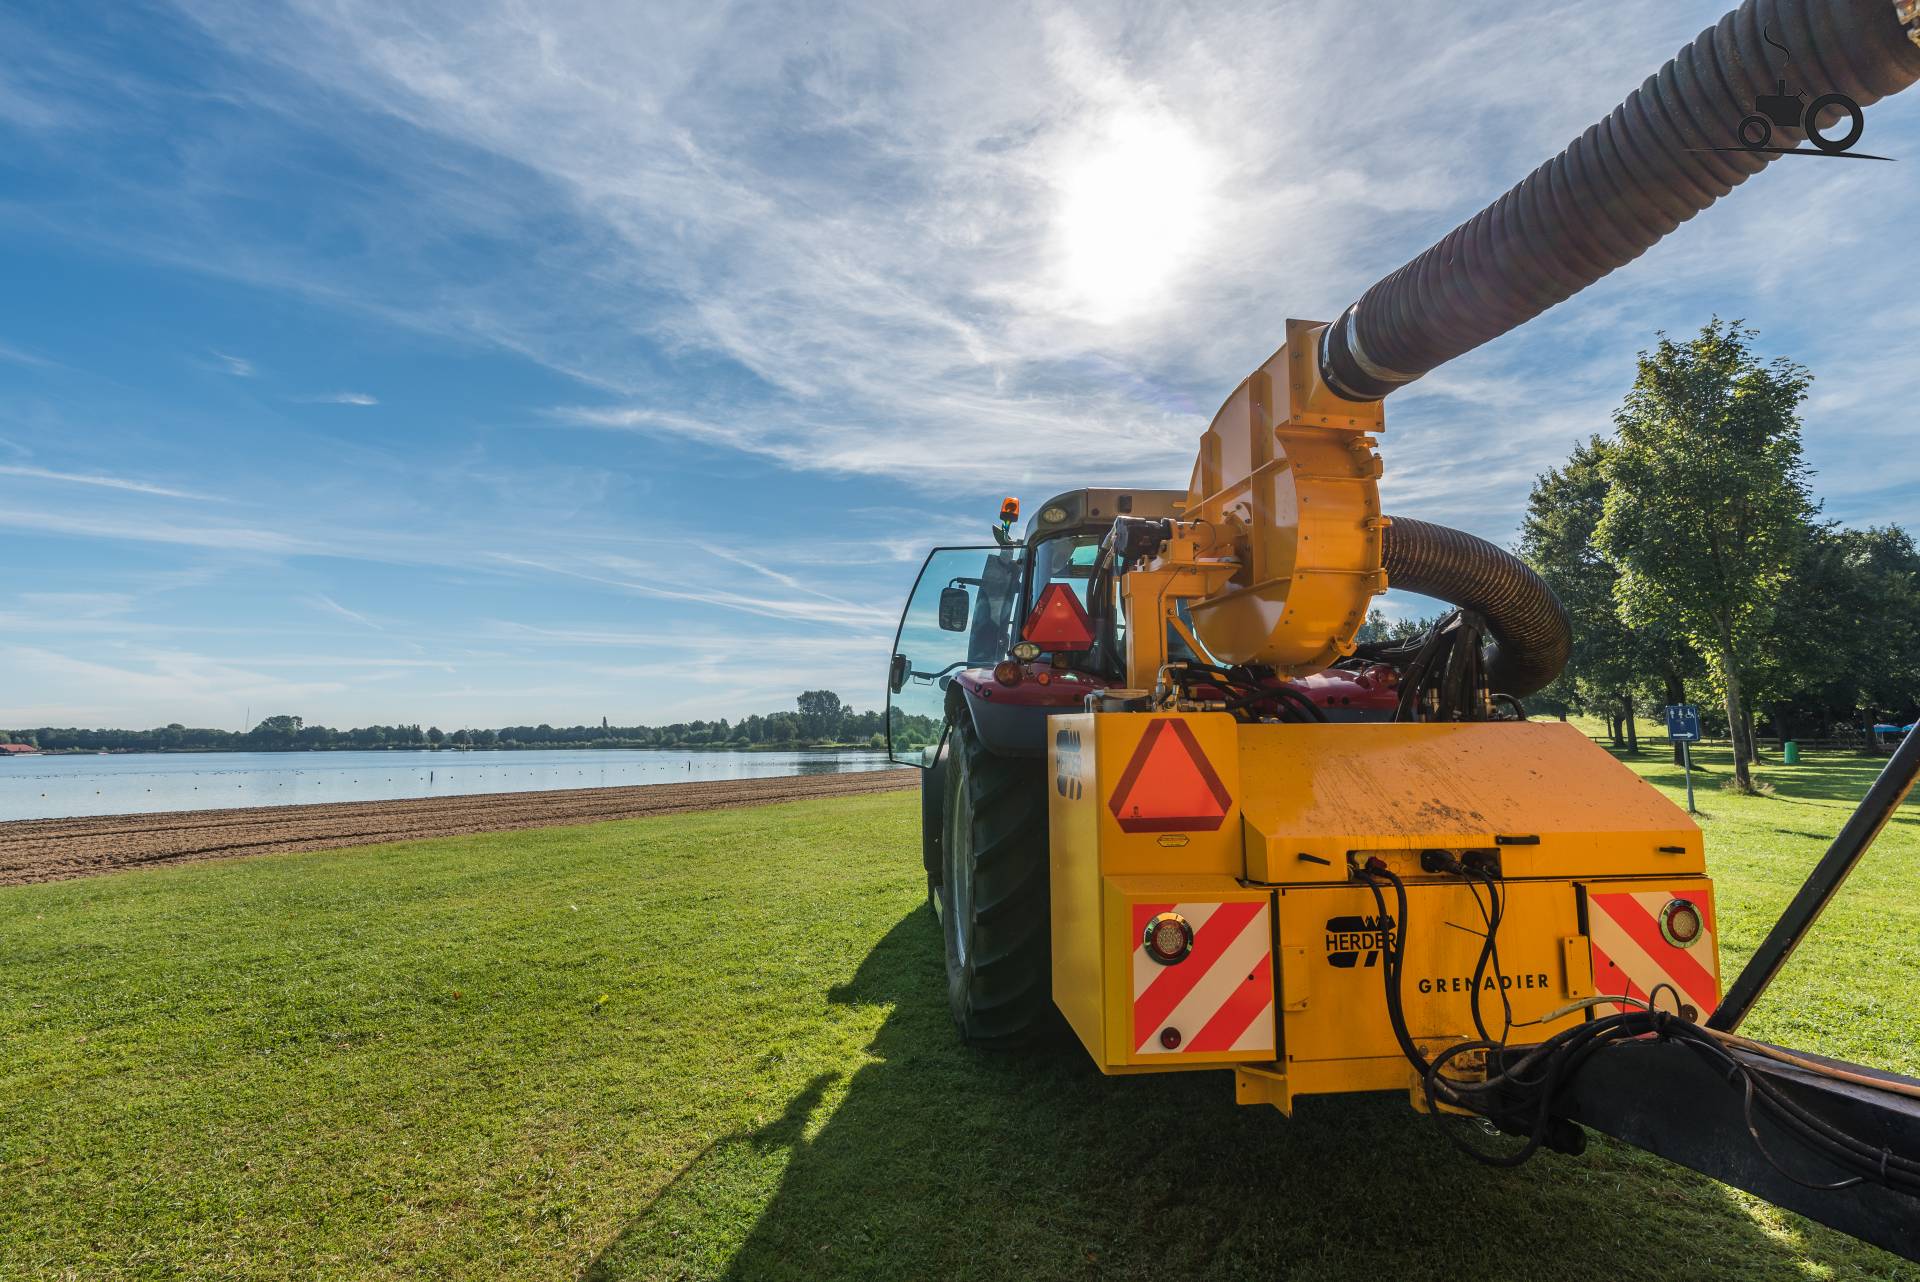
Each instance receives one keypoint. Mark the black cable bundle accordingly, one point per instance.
(1248, 687)
(1521, 1098)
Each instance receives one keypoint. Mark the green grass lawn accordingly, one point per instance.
(716, 1045)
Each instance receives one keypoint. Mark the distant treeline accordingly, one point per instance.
(820, 719)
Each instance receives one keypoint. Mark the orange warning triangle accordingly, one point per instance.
(1169, 785)
(1058, 622)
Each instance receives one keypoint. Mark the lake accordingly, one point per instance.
(60, 787)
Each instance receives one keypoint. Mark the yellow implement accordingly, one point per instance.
(1247, 837)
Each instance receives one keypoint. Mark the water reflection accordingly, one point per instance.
(54, 787)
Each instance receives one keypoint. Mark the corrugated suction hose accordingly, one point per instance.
(1531, 633)
(1621, 186)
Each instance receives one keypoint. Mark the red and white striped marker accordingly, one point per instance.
(1631, 957)
(1219, 998)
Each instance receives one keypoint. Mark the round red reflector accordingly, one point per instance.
(1168, 938)
(1170, 1038)
(1680, 923)
(1007, 672)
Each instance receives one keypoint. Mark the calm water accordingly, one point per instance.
(135, 783)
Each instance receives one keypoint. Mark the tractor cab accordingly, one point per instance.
(1010, 633)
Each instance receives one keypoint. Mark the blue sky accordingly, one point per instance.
(483, 363)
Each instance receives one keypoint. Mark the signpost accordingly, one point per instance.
(1683, 727)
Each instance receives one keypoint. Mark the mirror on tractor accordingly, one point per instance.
(897, 673)
(954, 606)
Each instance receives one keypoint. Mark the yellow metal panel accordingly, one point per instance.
(1296, 977)
(1572, 817)
(1204, 981)
(1099, 765)
(1629, 954)
(1551, 801)
(1330, 1040)
(1576, 966)
(1073, 853)
(1343, 1076)
(1209, 846)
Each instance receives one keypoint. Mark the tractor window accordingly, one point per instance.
(958, 616)
(1070, 560)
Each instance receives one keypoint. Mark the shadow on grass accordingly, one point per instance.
(941, 1162)
(1835, 776)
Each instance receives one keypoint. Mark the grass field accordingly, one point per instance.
(716, 1045)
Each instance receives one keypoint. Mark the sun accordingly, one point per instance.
(1130, 213)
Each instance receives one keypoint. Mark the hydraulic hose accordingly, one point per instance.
(1531, 633)
(1667, 152)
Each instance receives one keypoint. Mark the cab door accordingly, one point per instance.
(959, 615)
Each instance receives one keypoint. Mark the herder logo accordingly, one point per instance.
(1348, 937)
(1066, 756)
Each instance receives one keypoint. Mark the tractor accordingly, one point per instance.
(1171, 794)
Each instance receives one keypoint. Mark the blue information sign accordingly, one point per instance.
(1683, 721)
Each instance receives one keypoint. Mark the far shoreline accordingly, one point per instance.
(449, 749)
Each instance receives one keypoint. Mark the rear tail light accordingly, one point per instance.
(1007, 672)
(1168, 938)
(1680, 923)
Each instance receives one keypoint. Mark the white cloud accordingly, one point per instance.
(344, 398)
(327, 605)
(150, 688)
(644, 578)
(1030, 250)
(238, 366)
(20, 356)
(81, 605)
(137, 529)
(102, 482)
(1037, 248)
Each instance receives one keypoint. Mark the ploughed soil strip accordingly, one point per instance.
(56, 849)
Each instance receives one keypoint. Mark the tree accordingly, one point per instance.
(436, 736)
(276, 732)
(1707, 502)
(1846, 636)
(820, 714)
(1610, 662)
(1883, 567)
(1377, 628)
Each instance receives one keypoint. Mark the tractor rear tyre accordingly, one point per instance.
(993, 903)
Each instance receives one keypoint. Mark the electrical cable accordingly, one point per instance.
(1255, 690)
(1304, 708)
(1492, 914)
(1562, 1055)
(1395, 928)
(1520, 1097)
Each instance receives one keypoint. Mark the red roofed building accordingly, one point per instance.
(17, 749)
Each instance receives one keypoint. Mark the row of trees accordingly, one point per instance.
(1689, 551)
(820, 718)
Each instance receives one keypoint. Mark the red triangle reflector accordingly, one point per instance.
(1169, 785)
(1058, 621)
